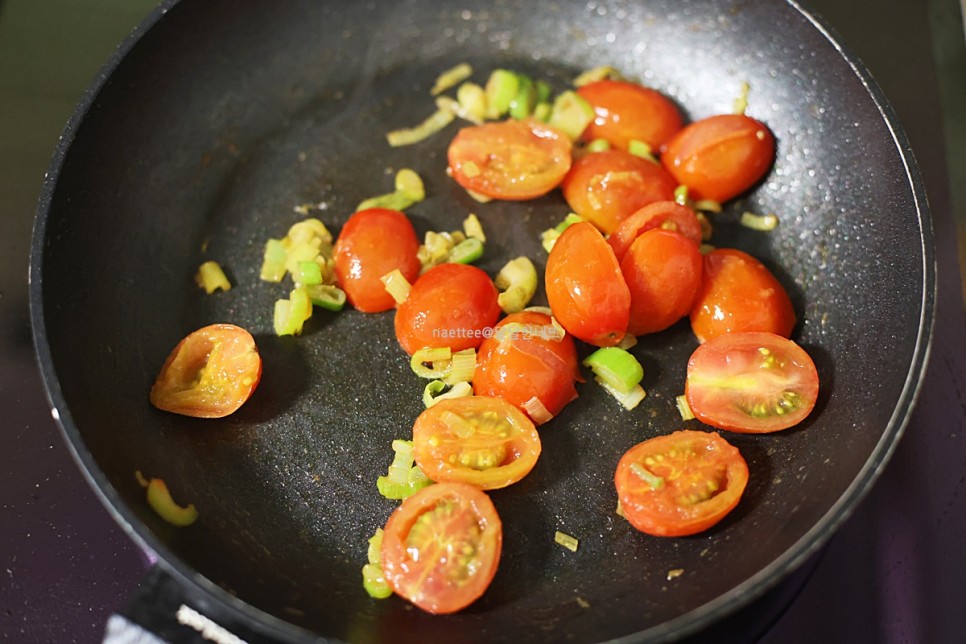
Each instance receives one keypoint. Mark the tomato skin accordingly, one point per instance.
(502, 450)
(585, 287)
(738, 293)
(720, 157)
(663, 273)
(432, 579)
(751, 383)
(628, 111)
(511, 160)
(519, 368)
(374, 242)
(667, 215)
(209, 374)
(450, 305)
(607, 187)
(710, 477)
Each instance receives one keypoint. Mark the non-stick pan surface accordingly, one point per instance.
(207, 130)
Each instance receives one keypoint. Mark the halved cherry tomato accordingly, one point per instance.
(681, 483)
(441, 547)
(372, 243)
(626, 112)
(751, 383)
(510, 160)
(479, 440)
(210, 374)
(667, 215)
(663, 273)
(738, 293)
(524, 361)
(585, 287)
(607, 187)
(450, 305)
(721, 156)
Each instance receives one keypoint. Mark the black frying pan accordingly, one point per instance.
(220, 117)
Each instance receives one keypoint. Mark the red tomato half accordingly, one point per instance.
(680, 484)
(751, 383)
(510, 160)
(585, 287)
(738, 293)
(450, 305)
(372, 243)
(607, 187)
(721, 156)
(666, 215)
(482, 441)
(441, 547)
(210, 374)
(663, 273)
(626, 112)
(521, 364)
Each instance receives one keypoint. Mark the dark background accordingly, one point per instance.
(895, 572)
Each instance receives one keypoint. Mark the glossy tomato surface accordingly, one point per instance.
(607, 187)
(721, 156)
(483, 441)
(450, 305)
(209, 374)
(585, 287)
(524, 360)
(681, 483)
(665, 215)
(371, 244)
(663, 273)
(751, 383)
(441, 547)
(739, 293)
(510, 160)
(626, 112)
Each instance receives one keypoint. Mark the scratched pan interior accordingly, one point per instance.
(208, 128)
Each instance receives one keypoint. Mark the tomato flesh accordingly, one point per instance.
(751, 383)
(372, 243)
(665, 215)
(209, 374)
(511, 160)
(680, 484)
(441, 547)
(626, 112)
(479, 440)
(528, 364)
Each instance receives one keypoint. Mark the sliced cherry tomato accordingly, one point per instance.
(441, 547)
(667, 215)
(721, 156)
(479, 440)
(627, 112)
(525, 361)
(372, 243)
(738, 293)
(751, 383)
(210, 374)
(585, 287)
(450, 305)
(607, 187)
(680, 484)
(510, 160)
(663, 273)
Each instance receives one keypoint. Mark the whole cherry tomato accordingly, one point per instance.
(626, 112)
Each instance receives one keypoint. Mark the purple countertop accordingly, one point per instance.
(894, 572)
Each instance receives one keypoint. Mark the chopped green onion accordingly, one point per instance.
(211, 278)
(616, 367)
(308, 274)
(759, 222)
(684, 408)
(707, 205)
(467, 251)
(521, 106)
(596, 74)
(627, 342)
(549, 237)
(501, 89)
(327, 296)
(566, 541)
(435, 391)
(477, 197)
(518, 281)
(472, 102)
(291, 314)
(542, 112)
(159, 498)
(273, 261)
(462, 367)
(451, 78)
(454, 106)
(629, 400)
(681, 194)
(372, 576)
(741, 103)
(656, 482)
(397, 285)
(537, 411)
(433, 124)
(571, 114)
(642, 150)
(400, 482)
(598, 145)
(143, 482)
(473, 228)
(409, 190)
(310, 231)
(439, 357)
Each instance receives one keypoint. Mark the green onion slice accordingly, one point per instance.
(400, 481)
(372, 576)
(656, 482)
(618, 368)
(763, 223)
(451, 78)
(433, 124)
(571, 114)
(642, 150)
(521, 105)
(501, 88)
(537, 411)
(472, 102)
(741, 103)
(630, 399)
(440, 359)
(681, 194)
(397, 285)
(308, 274)
(159, 498)
(273, 261)
(565, 540)
(596, 74)
(435, 391)
(518, 281)
(467, 251)
(331, 298)
(684, 408)
(549, 237)
(211, 278)
(598, 145)
(472, 228)
(462, 367)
